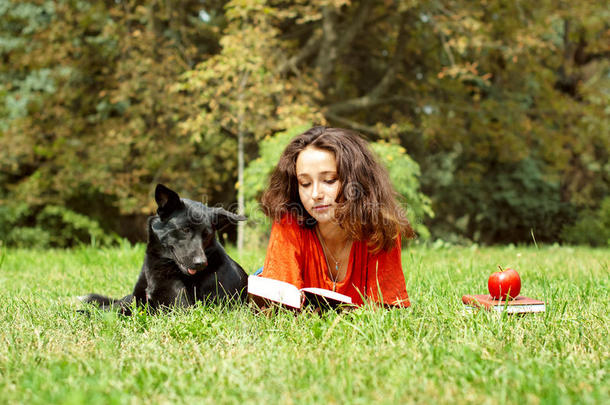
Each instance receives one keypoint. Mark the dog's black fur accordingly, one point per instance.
(184, 262)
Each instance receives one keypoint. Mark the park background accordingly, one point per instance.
(492, 116)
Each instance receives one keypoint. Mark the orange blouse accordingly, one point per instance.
(295, 255)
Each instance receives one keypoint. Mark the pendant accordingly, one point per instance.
(336, 276)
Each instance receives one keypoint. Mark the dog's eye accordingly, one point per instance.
(186, 230)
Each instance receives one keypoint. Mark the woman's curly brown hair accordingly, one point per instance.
(367, 204)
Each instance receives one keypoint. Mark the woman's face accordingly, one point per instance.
(319, 183)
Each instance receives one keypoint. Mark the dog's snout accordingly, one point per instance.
(199, 262)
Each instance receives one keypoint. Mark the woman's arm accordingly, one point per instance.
(284, 259)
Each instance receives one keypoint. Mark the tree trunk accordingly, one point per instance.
(240, 163)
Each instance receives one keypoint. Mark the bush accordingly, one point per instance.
(15, 229)
(591, 228)
(404, 173)
(70, 228)
(507, 204)
(256, 177)
(52, 226)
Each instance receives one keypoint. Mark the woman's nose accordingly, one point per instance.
(316, 192)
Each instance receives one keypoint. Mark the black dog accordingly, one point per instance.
(184, 262)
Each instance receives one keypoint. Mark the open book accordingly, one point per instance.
(263, 291)
(517, 305)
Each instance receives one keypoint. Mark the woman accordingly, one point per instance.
(336, 221)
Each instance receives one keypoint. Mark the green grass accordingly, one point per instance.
(431, 353)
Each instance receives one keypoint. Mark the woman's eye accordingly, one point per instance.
(304, 184)
(331, 181)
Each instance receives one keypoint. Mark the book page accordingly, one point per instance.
(335, 296)
(275, 290)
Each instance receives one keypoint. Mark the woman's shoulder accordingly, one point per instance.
(287, 231)
(286, 220)
(290, 223)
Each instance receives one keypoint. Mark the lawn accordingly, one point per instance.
(430, 353)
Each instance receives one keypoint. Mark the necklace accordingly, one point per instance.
(337, 262)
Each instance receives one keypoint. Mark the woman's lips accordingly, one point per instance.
(321, 207)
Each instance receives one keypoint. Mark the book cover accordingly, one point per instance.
(263, 291)
(520, 304)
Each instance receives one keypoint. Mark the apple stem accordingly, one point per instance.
(500, 267)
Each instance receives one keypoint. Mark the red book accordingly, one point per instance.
(517, 305)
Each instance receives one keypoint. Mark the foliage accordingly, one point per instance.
(105, 99)
(16, 232)
(518, 93)
(591, 228)
(105, 118)
(256, 177)
(431, 353)
(515, 201)
(53, 226)
(403, 171)
(238, 90)
(68, 228)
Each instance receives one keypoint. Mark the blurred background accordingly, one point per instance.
(493, 117)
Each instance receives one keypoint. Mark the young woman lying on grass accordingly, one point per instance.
(336, 221)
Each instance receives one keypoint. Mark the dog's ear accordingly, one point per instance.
(222, 218)
(168, 201)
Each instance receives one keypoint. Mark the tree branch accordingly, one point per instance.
(374, 96)
(355, 25)
(332, 45)
(363, 129)
(311, 46)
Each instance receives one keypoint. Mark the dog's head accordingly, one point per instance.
(185, 228)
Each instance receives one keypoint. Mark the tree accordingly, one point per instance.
(240, 95)
(103, 99)
(97, 126)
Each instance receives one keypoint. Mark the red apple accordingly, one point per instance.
(504, 282)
